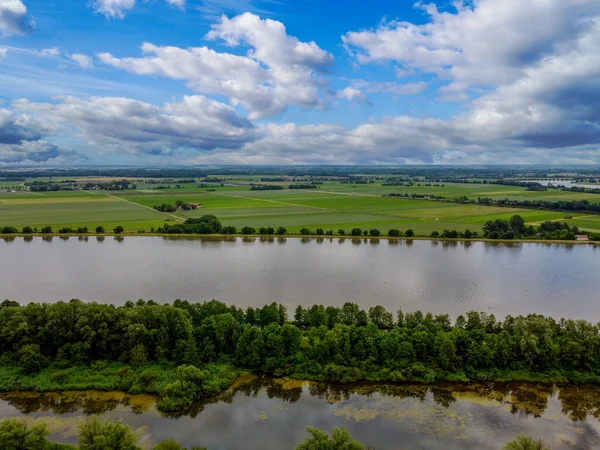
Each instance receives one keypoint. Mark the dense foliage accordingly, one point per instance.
(93, 434)
(327, 343)
(207, 224)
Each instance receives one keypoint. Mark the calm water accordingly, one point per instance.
(272, 414)
(438, 277)
(567, 184)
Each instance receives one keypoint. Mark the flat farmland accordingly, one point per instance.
(331, 206)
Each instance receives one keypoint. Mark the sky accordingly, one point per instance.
(277, 82)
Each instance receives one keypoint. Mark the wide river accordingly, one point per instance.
(273, 414)
(438, 277)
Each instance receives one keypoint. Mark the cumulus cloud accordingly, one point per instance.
(391, 88)
(488, 42)
(113, 9)
(83, 60)
(279, 70)
(126, 125)
(20, 141)
(36, 152)
(352, 95)
(14, 18)
(52, 51)
(178, 3)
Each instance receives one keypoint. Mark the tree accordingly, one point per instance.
(305, 231)
(409, 233)
(47, 230)
(356, 232)
(320, 232)
(394, 233)
(248, 230)
(118, 229)
(30, 358)
(525, 443)
(99, 229)
(229, 230)
(281, 231)
(96, 434)
(341, 232)
(320, 440)
(27, 230)
(15, 435)
(374, 232)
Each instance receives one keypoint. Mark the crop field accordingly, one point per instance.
(331, 206)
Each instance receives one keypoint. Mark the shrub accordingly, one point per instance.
(374, 232)
(305, 231)
(320, 232)
(65, 230)
(356, 232)
(229, 230)
(248, 230)
(434, 234)
(9, 230)
(410, 233)
(394, 233)
(341, 232)
(525, 443)
(27, 230)
(82, 229)
(100, 229)
(262, 230)
(281, 231)
(119, 229)
(47, 230)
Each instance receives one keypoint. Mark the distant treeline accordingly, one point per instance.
(72, 185)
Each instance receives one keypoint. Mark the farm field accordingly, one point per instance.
(331, 206)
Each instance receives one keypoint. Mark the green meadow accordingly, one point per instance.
(332, 206)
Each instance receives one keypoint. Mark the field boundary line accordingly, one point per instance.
(178, 218)
(276, 202)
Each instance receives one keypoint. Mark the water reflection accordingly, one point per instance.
(452, 416)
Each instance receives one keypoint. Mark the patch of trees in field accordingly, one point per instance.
(179, 205)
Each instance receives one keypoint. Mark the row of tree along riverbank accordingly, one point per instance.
(187, 351)
(499, 229)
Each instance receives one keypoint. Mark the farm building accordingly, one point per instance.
(582, 237)
(195, 205)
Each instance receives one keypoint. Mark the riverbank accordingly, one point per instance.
(297, 236)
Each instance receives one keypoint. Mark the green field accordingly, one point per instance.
(332, 206)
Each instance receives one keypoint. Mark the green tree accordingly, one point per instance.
(99, 229)
(118, 229)
(320, 440)
(15, 435)
(409, 233)
(96, 434)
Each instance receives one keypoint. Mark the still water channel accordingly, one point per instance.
(266, 413)
(437, 277)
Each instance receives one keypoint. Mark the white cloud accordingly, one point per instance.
(278, 71)
(113, 9)
(21, 141)
(14, 18)
(486, 42)
(52, 51)
(84, 61)
(352, 95)
(126, 125)
(178, 3)
(391, 88)
(3, 52)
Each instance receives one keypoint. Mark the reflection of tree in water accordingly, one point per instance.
(580, 401)
(63, 404)
(526, 399)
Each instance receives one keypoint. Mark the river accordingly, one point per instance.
(437, 277)
(273, 414)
